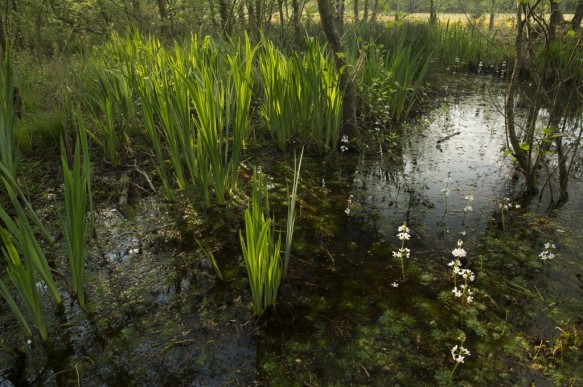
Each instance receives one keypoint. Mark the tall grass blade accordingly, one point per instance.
(9, 154)
(291, 213)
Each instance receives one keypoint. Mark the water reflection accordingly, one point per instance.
(461, 141)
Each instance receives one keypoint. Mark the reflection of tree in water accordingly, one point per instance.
(544, 143)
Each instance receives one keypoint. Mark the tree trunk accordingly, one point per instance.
(281, 17)
(375, 11)
(226, 19)
(349, 123)
(432, 12)
(511, 133)
(163, 10)
(492, 15)
(251, 16)
(397, 11)
(355, 11)
(576, 21)
(296, 19)
(339, 16)
(365, 10)
(556, 19)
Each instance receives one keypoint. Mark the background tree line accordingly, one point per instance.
(49, 27)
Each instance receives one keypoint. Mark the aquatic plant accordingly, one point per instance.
(468, 208)
(390, 80)
(458, 353)
(261, 249)
(74, 225)
(505, 206)
(23, 279)
(403, 251)
(445, 191)
(547, 254)
(291, 213)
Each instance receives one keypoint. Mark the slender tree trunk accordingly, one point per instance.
(253, 25)
(365, 11)
(349, 123)
(397, 11)
(281, 17)
(432, 12)
(511, 133)
(356, 10)
(226, 19)
(375, 11)
(492, 15)
(296, 19)
(576, 21)
(163, 10)
(556, 19)
(339, 16)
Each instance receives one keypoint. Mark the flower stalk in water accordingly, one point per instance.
(403, 252)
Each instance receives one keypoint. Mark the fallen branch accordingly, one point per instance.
(448, 137)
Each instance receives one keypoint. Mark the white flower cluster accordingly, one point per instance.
(402, 253)
(344, 141)
(467, 275)
(458, 353)
(506, 204)
(547, 254)
(403, 233)
(459, 252)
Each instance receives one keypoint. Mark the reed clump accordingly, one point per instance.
(261, 248)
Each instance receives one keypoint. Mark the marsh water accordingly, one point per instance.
(346, 315)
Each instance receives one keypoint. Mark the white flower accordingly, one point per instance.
(347, 211)
(459, 353)
(403, 228)
(445, 191)
(517, 206)
(467, 208)
(469, 198)
(549, 246)
(395, 285)
(457, 292)
(403, 236)
(459, 253)
(470, 299)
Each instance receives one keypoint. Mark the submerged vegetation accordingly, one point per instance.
(166, 160)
